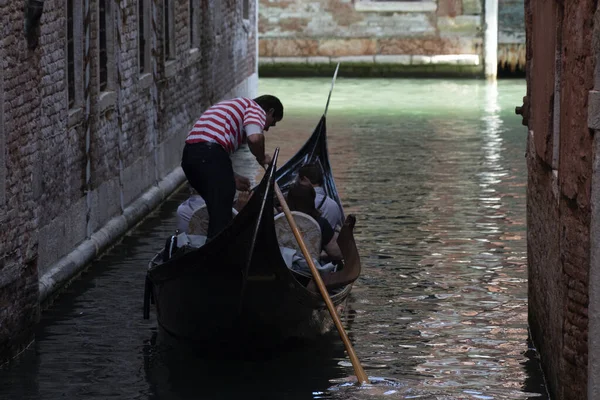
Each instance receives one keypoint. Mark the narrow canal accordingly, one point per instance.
(435, 172)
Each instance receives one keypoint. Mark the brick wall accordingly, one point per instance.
(559, 158)
(68, 171)
(19, 212)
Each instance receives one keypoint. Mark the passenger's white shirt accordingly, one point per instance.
(330, 210)
(186, 210)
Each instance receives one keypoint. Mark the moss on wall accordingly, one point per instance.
(370, 70)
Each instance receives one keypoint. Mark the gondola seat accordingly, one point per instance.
(308, 227)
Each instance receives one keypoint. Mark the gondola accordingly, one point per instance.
(237, 288)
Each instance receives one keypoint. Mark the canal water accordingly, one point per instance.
(435, 172)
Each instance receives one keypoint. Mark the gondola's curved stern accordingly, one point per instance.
(313, 151)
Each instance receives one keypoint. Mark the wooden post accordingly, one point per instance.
(491, 39)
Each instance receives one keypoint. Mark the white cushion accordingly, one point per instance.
(199, 222)
(309, 229)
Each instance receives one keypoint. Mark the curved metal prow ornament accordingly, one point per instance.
(331, 90)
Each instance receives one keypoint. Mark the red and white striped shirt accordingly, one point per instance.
(228, 123)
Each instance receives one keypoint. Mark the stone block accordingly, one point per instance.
(137, 178)
(60, 236)
(396, 6)
(169, 153)
(106, 203)
(425, 46)
(449, 8)
(460, 25)
(265, 60)
(455, 59)
(288, 47)
(471, 7)
(392, 59)
(347, 47)
(420, 60)
(291, 60)
(354, 59)
(318, 60)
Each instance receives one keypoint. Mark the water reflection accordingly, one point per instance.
(178, 373)
(434, 171)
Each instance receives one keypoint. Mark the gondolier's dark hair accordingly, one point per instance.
(267, 101)
(312, 172)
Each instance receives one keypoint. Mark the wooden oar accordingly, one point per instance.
(360, 372)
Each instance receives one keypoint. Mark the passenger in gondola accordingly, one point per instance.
(329, 208)
(301, 197)
(186, 210)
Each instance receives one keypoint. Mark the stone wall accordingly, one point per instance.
(385, 37)
(559, 159)
(425, 35)
(65, 172)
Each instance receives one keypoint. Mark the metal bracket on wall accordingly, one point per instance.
(523, 111)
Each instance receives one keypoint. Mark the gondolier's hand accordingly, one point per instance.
(242, 183)
(265, 161)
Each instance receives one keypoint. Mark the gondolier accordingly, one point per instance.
(216, 135)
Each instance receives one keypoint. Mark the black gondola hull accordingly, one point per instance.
(237, 288)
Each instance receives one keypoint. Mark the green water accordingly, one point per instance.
(394, 97)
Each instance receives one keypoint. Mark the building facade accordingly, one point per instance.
(96, 98)
(382, 37)
(562, 113)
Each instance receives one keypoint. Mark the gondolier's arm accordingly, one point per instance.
(256, 143)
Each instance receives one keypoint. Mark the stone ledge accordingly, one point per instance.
(353, 59)
(194, 55)
(265, 60)
(459, 25)
(170, 68)
(391, 59)
(316, 60)
(106, 100)
(69, 266)
(395, 6)
(400, 59)
(456, 59)
(75, 116)
(247, 26)
(145, 81)
(279, 68)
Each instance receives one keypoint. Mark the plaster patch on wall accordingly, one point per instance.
(395, 6)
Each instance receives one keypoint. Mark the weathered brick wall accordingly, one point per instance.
(315, 31)
(575, 173)
(559, 191)
(135, 129)
(19, 212)
(331, 29)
